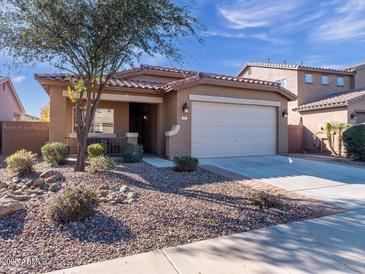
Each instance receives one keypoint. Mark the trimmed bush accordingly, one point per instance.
(73, 204)
(132, 153)
(55, 153)
(96, 150)
(263, 199)
(354, 142)
(20, 162)
(100, 164)
(185, 163)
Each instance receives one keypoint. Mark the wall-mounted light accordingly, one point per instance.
(145, 117)
(285, 114)
(185, 108)
(354, 116)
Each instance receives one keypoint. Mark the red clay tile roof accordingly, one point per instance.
(184, 73)
(294, 67)
(114, 82)
(353, 67)
(338, 99)
(120, 81)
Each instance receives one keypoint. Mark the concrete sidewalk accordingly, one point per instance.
(332, 244)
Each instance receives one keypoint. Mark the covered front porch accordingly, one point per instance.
(121, 117)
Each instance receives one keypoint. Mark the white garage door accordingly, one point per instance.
(230, 130)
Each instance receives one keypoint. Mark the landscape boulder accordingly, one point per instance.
(9, 207)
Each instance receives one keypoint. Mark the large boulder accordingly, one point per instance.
(9, 207)
(52, 176)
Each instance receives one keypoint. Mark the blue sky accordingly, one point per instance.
(329, 33)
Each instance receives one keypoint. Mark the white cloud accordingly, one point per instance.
(275, 21)
(18, 79)
(267, 38)
(253, 14)
(346, 24)
(224, 34)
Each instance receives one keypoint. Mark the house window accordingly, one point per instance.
(340, 81)
(103, 122)
(325, 80)
(309, 78)
(282, 83)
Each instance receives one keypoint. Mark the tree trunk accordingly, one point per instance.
(330, 143)
(81, 153)
(340, 143)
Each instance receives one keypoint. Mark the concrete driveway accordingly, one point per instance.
(336, 184)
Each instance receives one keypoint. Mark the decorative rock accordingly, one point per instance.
(104, 187)
(15, 180)
(114, 188)
(3, 185)
(18, 197)
(124, 189)
(38, 182)
(9, 207)
(103, 193)
(49, 173)
(55, 187)
(103, 200)
(44, 187)
(119, 200)
(132, 195)
(54, 178)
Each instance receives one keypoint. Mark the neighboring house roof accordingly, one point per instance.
(13, 91)
(354, 67)
(334, 100)
(294, 67)
(192, 78)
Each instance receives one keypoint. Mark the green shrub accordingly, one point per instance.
(100, 164)
(20, 162)
(73, 204)
(354, 142)
(263, 199)
(55, 153)
(132, 153)
(96, 150)
(186, 163)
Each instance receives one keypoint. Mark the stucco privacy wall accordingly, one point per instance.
(359, 107)
(314, 120)
(180, 144)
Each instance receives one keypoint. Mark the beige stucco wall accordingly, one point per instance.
(8, 104)
(360, 78)
(181, 143)
(315, 91)
(314, 120)
(357, 107)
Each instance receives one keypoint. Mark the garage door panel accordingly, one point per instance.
(229, 130)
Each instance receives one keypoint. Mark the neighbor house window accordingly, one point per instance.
(340, 81)
(309, 78)
(282, 83)
(325, 80)
(103, 122)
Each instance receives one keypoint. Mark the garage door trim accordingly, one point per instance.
(232, 100)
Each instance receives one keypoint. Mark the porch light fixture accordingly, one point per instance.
(353, 116)
(145, 117)
(185, 108)
(285, 114)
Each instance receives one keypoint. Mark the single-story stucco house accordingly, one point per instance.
(174, 112)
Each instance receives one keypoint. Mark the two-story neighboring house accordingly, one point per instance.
(323, 94)
(11, 108)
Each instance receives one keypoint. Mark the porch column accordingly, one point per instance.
(132, 137)
(57, 116)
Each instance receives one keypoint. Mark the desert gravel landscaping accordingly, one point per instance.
(168, 208)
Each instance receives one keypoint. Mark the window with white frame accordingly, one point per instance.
(282, 83)
(340, 81)
(325, 80)
(103, 122)
(309, 78)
